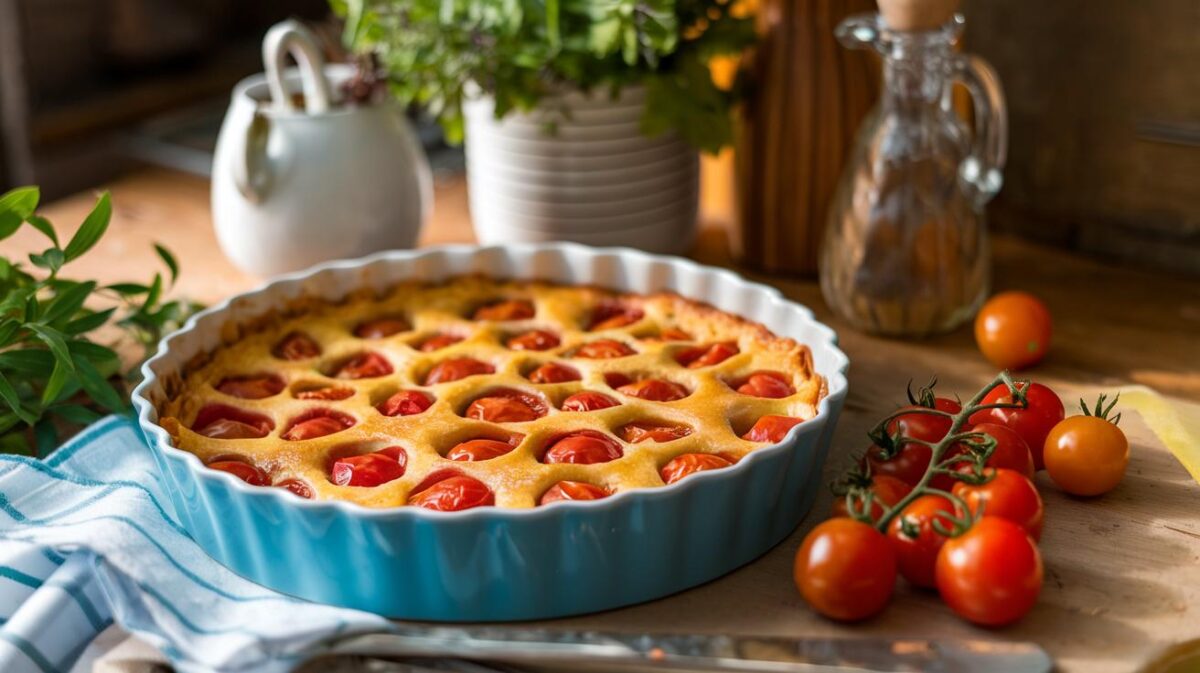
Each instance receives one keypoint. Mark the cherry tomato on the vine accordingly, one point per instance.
(845, 569)
(1013, 330)
(1033, 423)
(916, 541)
(991, 574)
(1011, 451)
(1086, 455)
(888, 491)
(1007, 494)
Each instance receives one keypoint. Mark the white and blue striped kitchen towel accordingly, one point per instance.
(85, 540)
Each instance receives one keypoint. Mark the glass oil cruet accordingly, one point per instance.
(905, 252)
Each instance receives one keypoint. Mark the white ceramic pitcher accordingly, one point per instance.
(294, 187)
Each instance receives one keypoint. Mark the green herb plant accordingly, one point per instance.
(518, 51)
(55, 371)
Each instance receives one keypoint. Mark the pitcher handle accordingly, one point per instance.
(292, 37)
(982, 172)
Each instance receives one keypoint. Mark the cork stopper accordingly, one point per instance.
(917, 14)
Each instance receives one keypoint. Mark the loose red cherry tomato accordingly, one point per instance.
(296, 346)
(773, 385)
(655, 432)
(573, 490)
(613, 315)
(453, 494)
(479, 449)
(242, 470)
(654, 390)
(1086, 455)
(252, 387)
(845, 569)
(992, 574)
(506, 406)
(317, 424)
(364, 366)
(916, 541)
(1033, 423)
(771, 429)
(1007, 494)
(508, 309)
(707, 355)
(583, 447)
(438, 341)
(381, 328)
(553, 372)
(326, 393)
(690, 463)
(1011, 451)
(1013, 330)
(404, 403)
(603, 349)
(454, 369)
(370, 469)
(588, 401)
(219, 421)
(534, 340)
(888, 491)
(297, 488)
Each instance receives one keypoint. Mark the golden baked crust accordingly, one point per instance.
(715, 412)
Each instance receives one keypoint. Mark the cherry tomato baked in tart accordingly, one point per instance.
(485, 393)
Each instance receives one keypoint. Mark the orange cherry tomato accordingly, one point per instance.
(381, 328)
(603, 349)
(474, 450)
(296, 346)
(916, 541)
(1013, 330)
(845, 569)
(583, 447)
(991, 574)
(506, 406)
(553, 372)
(326, 393)
(219, 421)
(573, 490)
(588, 401)
(1011, 451)
(771, 429)
(1033, 423)
(508, 309)
(404, 403)
(252, 387)
(707, 355)
(438, 341)
(242, 470)
(766, 384)
(370, 469)
(297, 488)
(453, 494)
(613, 315)
(690, 463)
(1086, 455)
(454, 369)
(654, 432)
(654, 390)
(534, 340)
(317, 424)
(364, 366)
(1007, 494)
(888, 491)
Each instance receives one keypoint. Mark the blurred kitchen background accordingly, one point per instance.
(1103, 96)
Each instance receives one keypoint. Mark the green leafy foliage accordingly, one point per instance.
(520, 50)
(54, 371)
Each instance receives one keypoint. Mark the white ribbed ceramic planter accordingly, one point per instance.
(578, 169)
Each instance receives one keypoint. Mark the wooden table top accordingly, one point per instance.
(1122, 571)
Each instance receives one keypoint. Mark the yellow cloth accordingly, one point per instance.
(1179, 432)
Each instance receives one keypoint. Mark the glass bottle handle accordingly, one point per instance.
(981, 173)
